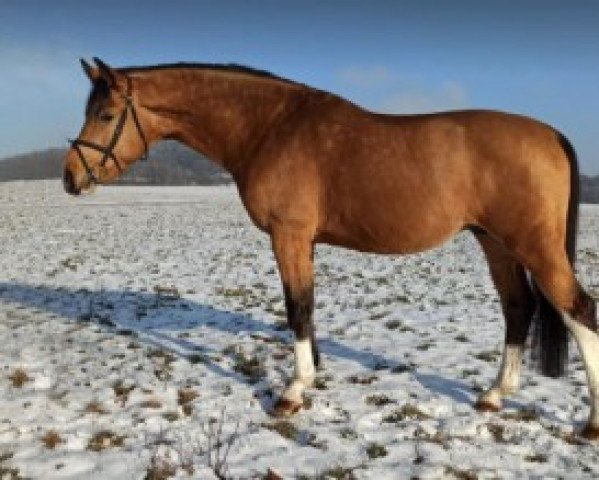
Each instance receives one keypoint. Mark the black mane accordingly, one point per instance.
(101, 90)
(223, 67)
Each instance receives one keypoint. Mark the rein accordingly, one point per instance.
(107, 151)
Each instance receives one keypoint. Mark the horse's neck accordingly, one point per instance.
(223, 115)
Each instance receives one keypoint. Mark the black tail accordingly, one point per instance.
(550, 335)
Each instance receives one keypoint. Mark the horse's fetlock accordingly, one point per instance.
(307, 381)
(509, 389)
(490, 400)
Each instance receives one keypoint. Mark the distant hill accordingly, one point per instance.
(589, 189)
(33, 166)
(170, 163)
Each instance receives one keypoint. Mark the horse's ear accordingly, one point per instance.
(92, 73)
(107, 73)
(115, 79)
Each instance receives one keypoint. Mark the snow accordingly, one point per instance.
(114, 303)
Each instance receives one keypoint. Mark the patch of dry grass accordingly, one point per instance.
(454, 472)
(489, 356)
(122, 391)
(523, 415)
(378, 400)
(171, 416)
(338, 473)
(184, 398)
(162, 363)
(407, 411)
(162, 355)
(362, 379)
(160, 468)
(19, 377)
(6, 472)
(570, 438)
(348, 433)
(376, 450)
(393, 324)
(272, 475)
(536, 458)
(105, 439)
(497, 431)
(186, 395)
(95, 407)
(151, 403)
(51, 439)
(167, 291)
(284, 428)
(437, 438)
(252, 367)
(320, 382)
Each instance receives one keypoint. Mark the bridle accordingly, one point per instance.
(107, 151)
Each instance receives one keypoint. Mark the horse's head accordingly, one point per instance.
(113, 135)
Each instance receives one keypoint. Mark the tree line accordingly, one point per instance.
(589, 189)
(170, 163)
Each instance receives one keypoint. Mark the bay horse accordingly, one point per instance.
(312, 167)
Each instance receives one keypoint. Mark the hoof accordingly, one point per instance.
(484, 406)
(590, 432)
(285, 408)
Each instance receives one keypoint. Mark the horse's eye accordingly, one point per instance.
(105, 116)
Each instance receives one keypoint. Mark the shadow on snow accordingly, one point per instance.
(158, 318)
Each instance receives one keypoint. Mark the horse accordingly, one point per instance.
(311, 167)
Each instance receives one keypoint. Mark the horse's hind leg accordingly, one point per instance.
(294, 254)
(555, 278)
(518, 304)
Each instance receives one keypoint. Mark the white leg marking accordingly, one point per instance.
(588, 344)
(304, 371)
(508, 378)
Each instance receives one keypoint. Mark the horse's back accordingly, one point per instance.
(408, 183)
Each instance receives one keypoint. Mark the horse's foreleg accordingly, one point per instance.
(517, 301)
(294, 254)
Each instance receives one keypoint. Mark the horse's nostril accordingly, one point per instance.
(69, 183)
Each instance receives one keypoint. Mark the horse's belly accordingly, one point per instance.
(390, 235)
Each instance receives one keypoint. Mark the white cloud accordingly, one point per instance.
(422, 99)
(366, 76)
(382, 89)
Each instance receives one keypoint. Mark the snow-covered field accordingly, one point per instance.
(137, 322)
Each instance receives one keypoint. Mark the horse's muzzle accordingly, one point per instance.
(68, 181)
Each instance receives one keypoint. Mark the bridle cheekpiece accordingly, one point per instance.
(107, 151)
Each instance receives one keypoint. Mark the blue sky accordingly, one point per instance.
(539, 58)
